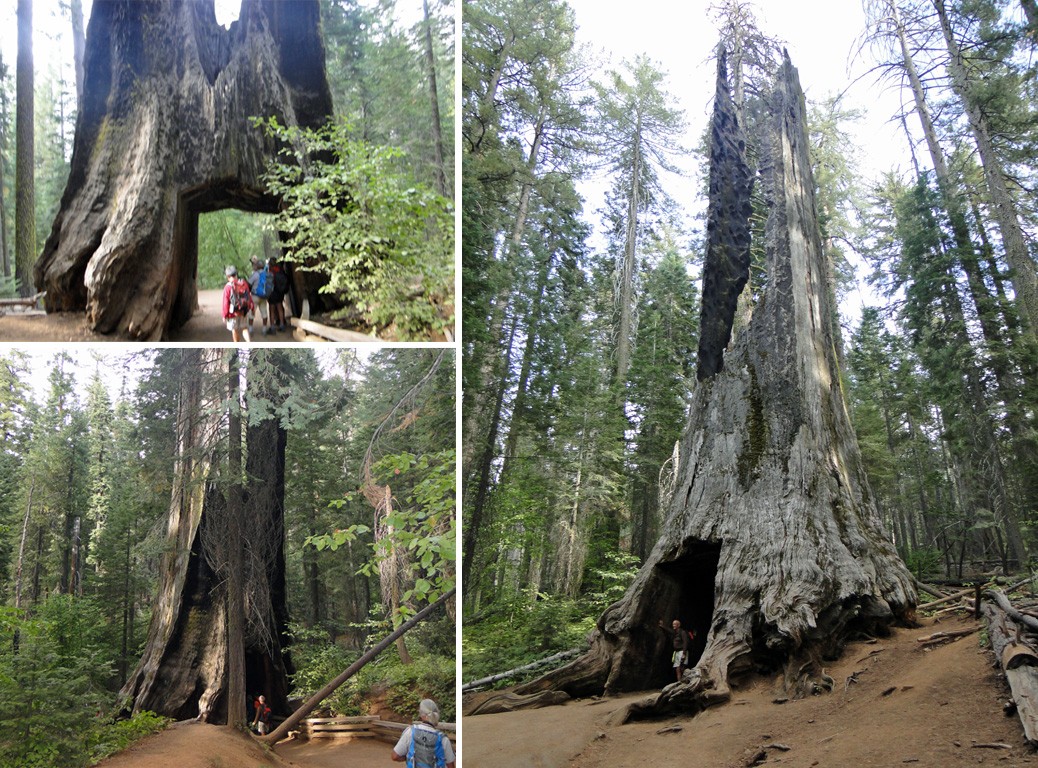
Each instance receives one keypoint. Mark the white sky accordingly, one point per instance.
(820, 35)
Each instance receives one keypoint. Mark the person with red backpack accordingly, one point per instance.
(237, 304)
(261, 723)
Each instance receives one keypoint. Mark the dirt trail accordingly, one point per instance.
(191, 744)
(933, 709)
(205, 325)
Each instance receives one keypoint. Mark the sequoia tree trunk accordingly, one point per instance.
(163, 135)
(183, 670)
(773, 550)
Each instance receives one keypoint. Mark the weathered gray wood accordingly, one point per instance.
(727, 265)
(773, 547)
(513, 702)
(524, 668)
(163, 135)
(1021, 674)
(327, 332)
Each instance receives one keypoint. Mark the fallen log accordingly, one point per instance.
(942, 637)
(293, 720)
(930, 590)
(29, 302)
(1020, 672)
(525, 668)
(1003, 602)
(512, 702)
(970, 591)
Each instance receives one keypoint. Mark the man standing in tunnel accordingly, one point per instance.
(679, 643)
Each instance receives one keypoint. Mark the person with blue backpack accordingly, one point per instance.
(261, 283)
(422, 745)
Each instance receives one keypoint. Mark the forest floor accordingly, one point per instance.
(190, 744)
(934, 708)
(205, 325)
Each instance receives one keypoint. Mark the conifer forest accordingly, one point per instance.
(116, 465)
(619, 255)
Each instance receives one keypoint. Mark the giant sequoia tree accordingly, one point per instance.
(773, 549)
(163, 135)
(222, 599)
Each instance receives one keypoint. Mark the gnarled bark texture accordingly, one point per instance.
(773, 550)
(164, 135)
(183, 670)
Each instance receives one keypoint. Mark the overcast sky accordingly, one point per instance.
(822, 37)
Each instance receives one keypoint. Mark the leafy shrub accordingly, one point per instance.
(522, 630)
(116, 736)
(401, 686)
(384, 241)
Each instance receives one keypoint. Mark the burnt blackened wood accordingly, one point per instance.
(727, 265)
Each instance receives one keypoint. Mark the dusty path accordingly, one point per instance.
(204, 326)
(190, 744)
(933, 709)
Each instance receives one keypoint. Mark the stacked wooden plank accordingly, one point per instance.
(360, 727)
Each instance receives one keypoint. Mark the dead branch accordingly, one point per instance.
(524, 668)
(942, 637)
(292, 720)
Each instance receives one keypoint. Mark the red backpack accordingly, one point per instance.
(241, 299)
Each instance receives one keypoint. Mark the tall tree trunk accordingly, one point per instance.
(5, 248)
(434, 102)
(183, 672)
(25, 153)
(78, 47)
(233, 560)
(1024, 276)
(727, 264)
(629, 266)
(21, 547)
(485, 467)
(773, 548)
(164, 135)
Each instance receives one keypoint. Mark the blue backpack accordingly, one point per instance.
(428, 745)
(263, 285)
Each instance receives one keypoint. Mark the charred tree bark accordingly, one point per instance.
(183, 672)
(163, 135)
(773, 550)
(727, 266)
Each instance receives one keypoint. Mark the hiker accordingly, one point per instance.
(260, 285)
(423, 745)
(261, 723)
(237, 303)
(277, 295)
(679, 643)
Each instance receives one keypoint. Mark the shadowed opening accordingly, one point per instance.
(689, 594)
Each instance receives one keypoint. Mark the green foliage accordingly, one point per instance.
(924, 563)
(227, 237)
(423, 525)
(117, 735)
(384, 241)
(401, 686)
(52, 672)
(523, 629)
